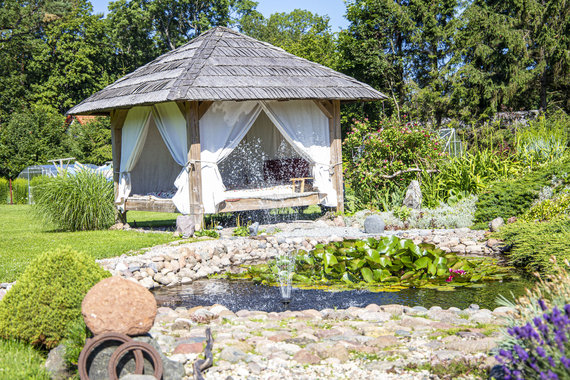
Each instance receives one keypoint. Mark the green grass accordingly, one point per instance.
(145, 219)
(23, 236)
(19, 361)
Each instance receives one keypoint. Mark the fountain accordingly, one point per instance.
(286, 268)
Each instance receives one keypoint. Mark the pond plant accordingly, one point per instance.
(387, 263)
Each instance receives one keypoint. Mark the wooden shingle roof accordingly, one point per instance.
(222, 64)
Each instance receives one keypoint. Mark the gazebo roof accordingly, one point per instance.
(222, 64)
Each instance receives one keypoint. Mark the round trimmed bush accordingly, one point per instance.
(78, 202)
(46, 299)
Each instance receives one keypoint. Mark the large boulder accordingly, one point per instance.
(185, 225)
(413, 198)
(373, 224)
(118, 305)
(496, 223)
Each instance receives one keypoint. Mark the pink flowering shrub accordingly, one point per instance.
(372, 150)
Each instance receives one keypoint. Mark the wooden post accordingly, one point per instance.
(117, 121)
(192, 114)
(336, 154)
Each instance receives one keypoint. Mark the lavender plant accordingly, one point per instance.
(541, 351)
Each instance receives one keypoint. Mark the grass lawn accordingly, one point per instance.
(23, 236)
(19, 361)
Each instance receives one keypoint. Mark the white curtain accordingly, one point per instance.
(306, 128)
(172, 127)
(221, 129)
(133, 136)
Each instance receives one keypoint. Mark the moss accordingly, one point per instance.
(46, 299)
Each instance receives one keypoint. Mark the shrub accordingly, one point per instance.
(20, 191)
(83, 201)
(544, 139)
(513, 197)
(376, 149)
(548, 209)
(532, 244)
(46, 299)
(4, 191)
(456, 214)
(19, 361)
(536, 338)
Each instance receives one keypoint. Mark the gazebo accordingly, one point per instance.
(226, 123)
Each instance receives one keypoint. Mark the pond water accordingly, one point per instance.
(240, 294)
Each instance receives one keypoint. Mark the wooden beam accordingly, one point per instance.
(194, 150)
(246, 204)
(153, 205)
(326, 107)
(336, 154)
(203, 108)
(117, 121)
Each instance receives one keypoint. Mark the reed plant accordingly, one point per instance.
(544, 139)
(4, 191)
(83, 201)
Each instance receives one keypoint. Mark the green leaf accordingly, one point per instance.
(432, 269)
(385, 261)
(373, 255)
(347, 278)
(367, 275)
(329, 259)
(422, 262)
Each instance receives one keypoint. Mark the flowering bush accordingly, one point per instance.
(375, 150)
(542, 351)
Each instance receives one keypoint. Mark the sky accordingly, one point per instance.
(335, 9)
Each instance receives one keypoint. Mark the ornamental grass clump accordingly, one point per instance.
(78, 202)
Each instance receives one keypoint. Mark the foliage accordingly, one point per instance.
(513, 197)
(241, 231)
(532, 244)
(76, 336)
(387, 261)
(300, 32)
(540, 353)
(4, 191)
(454, 214)
(544, 139)
(209, 233)
(46, 299)
(548, 209)
(20, 191)
(90, 142)
(469, 174)
(20, 361)
(374, 150)
(78, 202)
(30, 137)
(20, 224)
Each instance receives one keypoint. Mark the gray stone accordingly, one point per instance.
(55, 364)
(474, 307)
(232, 354)
(402, 333)
(185, 225)
(374, 224)
(253, 229)
(413, 198)
(420, 308)
(495, 224)
(132, 376)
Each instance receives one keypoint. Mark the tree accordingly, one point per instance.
(90, 142)
(30, 137)
(300, 32)
(73, 63)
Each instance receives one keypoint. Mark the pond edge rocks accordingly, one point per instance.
(175, 264)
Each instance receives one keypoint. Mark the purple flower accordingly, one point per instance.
(543, 376)
(540, 351)
(551, 362)
(521, 352)
(565, 361)
(552, 375)
(542, 305)
(506, 354)
(567, 309)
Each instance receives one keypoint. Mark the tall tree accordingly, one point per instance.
(299, 32)
(73, 63)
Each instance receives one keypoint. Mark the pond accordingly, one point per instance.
(245, 295)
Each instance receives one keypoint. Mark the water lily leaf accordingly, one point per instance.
(367, 275)
(407, 275)
(440, 261)
(301, 278)
(329, 259)
(381, 274)
(432, 269)
(373, 255)
(356, 264)
(475, 278)
(348, 278)
(422, 262)
(442, 272)
(384, 261)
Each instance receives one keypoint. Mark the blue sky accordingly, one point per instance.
(335, 9)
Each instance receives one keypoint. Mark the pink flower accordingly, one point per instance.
(449, 279)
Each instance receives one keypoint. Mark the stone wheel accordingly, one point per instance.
(94, 342)
(137, 347)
